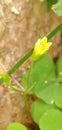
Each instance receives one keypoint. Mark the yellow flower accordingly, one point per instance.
(40, 48)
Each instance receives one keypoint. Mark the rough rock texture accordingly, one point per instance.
(22, 22)
(14, 109)
(10, 107)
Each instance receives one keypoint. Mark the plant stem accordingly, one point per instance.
(54, 31)
(20, 62)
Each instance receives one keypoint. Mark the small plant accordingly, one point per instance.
(43, 79)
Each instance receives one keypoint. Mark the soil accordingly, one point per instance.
(22, 22)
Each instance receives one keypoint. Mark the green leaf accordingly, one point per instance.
(6, 78)
(58, 8)
(38, 108)
(41, 78)
(59, 69)
(58, 95)
(51, 120)
(50, 3)
(42, 71)
(16, 126)
(47, 93)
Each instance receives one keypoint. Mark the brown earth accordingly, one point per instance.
(22, 22)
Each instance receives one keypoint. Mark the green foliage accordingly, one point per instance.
(58, 8)
(44, 78)
(56, 5)
(16, 126)
(47, 93)
(51, 120)
(6, 78)
(50, 3)
(38, 108)
(58, 96)
(42, 70)
(59, 69)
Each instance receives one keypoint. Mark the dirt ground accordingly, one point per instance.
(22, 22)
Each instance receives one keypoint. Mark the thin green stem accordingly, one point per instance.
(21, 61)
(54, 31)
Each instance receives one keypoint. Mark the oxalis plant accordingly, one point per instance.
(43, 80)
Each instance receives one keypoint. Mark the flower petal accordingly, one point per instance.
(43, 40)
(40, 48)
